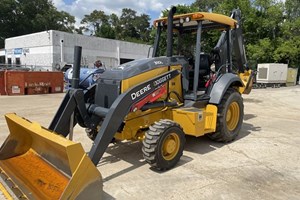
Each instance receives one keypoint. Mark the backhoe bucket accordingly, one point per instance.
(247, 78)
(36, 163)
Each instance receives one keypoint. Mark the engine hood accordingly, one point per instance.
(136, 67)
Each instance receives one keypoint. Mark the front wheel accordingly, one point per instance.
(163, 144)
(230, 117)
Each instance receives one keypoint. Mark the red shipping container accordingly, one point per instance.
(2, 89)
(23, 82)
(14, 82)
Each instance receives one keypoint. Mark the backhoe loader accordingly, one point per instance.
(156, 100)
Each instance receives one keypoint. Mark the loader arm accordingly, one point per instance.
(89, 115)
(74, 101)
(120, 109)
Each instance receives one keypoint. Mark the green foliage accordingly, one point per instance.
(292, 9)
(271, 27)
(27, 16)
(181, 9)
(94, 21)
(206, 6)
(187, 43)
(129, 26)
(288, 51)
(262, 51)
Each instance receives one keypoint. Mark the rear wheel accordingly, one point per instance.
(163, 144)
(230, 117)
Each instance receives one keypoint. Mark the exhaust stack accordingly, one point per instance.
(170, 32)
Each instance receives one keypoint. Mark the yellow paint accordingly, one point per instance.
(137, 122)
(175, 85)
(247, 80)
(140, 78)
(196, 121)
(218, 18)
(211, 112)
(41, 178)
(232, 116)
(51, 166)
(170, 146)
(5, 192)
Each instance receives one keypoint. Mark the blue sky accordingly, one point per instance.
(79, 8)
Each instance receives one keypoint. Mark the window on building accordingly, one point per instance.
(9, 61)
(18, 62)
(125, 60)
(2, 59)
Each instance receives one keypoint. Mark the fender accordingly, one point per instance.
(221, 85)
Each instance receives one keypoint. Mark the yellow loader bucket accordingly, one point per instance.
(38, 164)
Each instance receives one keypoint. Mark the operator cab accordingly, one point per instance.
(188, 30)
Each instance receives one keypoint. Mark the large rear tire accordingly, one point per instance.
(230, 117)
(163, 144)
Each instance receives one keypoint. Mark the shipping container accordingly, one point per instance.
(2, 89)
(14, 82)
(272, 74)
(24, 82)
(292, 76)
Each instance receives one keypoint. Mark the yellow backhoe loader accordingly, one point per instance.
(156, 100)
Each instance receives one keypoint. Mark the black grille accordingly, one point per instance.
(106, 93)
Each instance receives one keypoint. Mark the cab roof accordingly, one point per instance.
(190, 21)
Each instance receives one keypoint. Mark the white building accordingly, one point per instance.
(50, 50)
(2, 56)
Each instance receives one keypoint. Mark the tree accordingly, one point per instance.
(188, 40)
(132, 27)
(181, 9)
(126, 22)
(206, 6)
(289, 43)
(19, 17)
(93, 22)
(292, 9)
(288, 51)
(129, 27)
(141, 24)
(262, 51)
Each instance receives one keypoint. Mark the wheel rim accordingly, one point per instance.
(232, 116)
(170, 146)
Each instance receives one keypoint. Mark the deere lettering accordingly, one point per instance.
(162, 79)
(140, 92)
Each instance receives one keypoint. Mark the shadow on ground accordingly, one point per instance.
(203, 144)
(131, 152)
(252, 100)
(249, 116)
(107, 196)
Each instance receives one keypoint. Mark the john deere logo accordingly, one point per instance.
(140, 92)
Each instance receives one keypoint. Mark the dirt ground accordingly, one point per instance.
(262, 163)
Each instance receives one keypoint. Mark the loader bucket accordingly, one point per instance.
(39, 164)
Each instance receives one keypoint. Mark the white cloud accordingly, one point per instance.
(79, 8)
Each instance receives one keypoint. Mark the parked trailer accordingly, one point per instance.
(271, 75)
